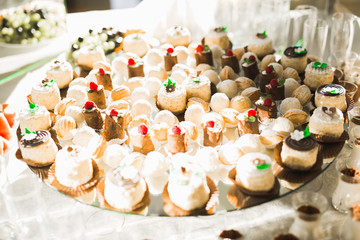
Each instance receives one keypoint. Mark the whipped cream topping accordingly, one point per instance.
(297, 135)
(330, 116)
(27, 112)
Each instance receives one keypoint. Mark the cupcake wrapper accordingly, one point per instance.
(327, 139)
(330, 150)
(273, 192)
(41, 172)
(33, 163)
(209, 208)
(79, 190)
(136, 209)
(241, 200)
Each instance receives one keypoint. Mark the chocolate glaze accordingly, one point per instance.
(290, 52)
(287, 236)
(265, 79)
(245, 127)
(93, 118)
(230, 234)
(277, 93)
(212, 138)
(136, 70)
(305, 144)
(204, 57)
(169, 62)
(356, 120)
(105, 80)
(41, 137)
(250, 71)
(176, 143)
(321, 90)
(309, 213)
(98, 97)
(261, 35)
(266, 112)
(231, 62)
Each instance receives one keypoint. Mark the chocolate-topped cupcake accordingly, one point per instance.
(104, 78)
(266, 109)
(97, 95)
(299, 150)
(170, 59)
(218, 36)
(295, 57)
(92, 115)
(203, 54)
(317, 74)
(331, 95)
(266, 76)
(229, 59)
(250, 67)
(261, 45)
(38, 148)
(249, 123)
(276, 89)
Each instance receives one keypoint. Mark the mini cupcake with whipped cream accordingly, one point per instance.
(295, 57)
(178, 36)
(61, 72)
(136, 43)
(87, 56)
(248, 122)
(198, 87)
(317, 74)
(218, 36)
(331, 95)
(34, 117)
(141, 140)
(261, 45)
(46, 93)
(172, 97)
(203, 55)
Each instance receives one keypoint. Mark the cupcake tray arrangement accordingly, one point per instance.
(182, 128)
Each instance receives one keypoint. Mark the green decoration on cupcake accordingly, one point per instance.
(27, 131)
(281, 82)
(33, 107)
(248, 61)
(264, 33)
(196, 80)
(223, 28)
(335, 91)
(250, 119)
(299, 43)
(206, 48)
(169, 83)
(263, 166)
(319, 65)
(307, 132)
(50, 83)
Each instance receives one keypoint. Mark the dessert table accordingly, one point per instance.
(260, 222)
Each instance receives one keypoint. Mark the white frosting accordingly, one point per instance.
(208, 159)
(290, 103)
(140, 93)
(61, 72)
(179, 76)
(250, 176)
(230, 153)
(89, 55)
(47, 94)
(76, 113)
(141, 107)
(182, 54)
(34, 120)
(167, 117)
(217, 52)
(73, 166)
(297, 135)
(84, 136)
(79, 81)
(249, 143)
(180, 91)
(114, 154)
(79, 93)
(229, 87)
(188, 190)
(219, 101)
(135, 43)
(199, 89)
(119, 64)
(178, 36)
(194, 113)
(155, 165)
(120, 195)
(283, 126)
(153, 85)
(321, 115)
(156, 72)
(134, 159)
(91, 77)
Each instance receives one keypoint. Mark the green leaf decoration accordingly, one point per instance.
(248, 61)
(33, 107)
(281, 82)
(223, 29)
(319, 65)
(169, 83)
(264, 33)
(335, 91)
(95, 46)
(250, 119)
(263, 166)
(206, 48)
(299, 43)
(50, 83)
(27, 131)
(197, 79)
(307, 132)
(137, 37)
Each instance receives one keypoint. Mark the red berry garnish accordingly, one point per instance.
(229, 53)
(176, 130)
(199, 48)
(252, 58)
(210, 124)
(143, 129)
(114, 112)
(268, 102)
(89, 105)
(274, 83)
(131, 61)
(252, 112)
(170, 50)
(268, 69)
(101, 71)
(93, 86)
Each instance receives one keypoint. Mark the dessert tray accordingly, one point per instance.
(184, 127)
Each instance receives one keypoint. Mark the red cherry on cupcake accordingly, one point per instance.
(252, 112)
(252, 58)
(143, 129)
(89, 105)
(199, 48)
(210, 124)
(131, 61)
(170, 50)
(101, 71)
(268, 102)
(114, 112)
(176, 130)
(93, 86)
(229, 53)
(268, 69)
(274, 83)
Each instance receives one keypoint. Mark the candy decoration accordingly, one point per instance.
(269, 69)
(252, 58)
(131, 61)
(89, 105)
(263, 166)
(33, 107)
(268, 102)
(176, 130)
(274, 83)
(143, 129)
(307, 132)
(101, 71)
(170, 50)
(319, 65)
(229, 53)
(252, 112)
(93, 86)
(114, 112)
(199, 48)
(210, 124)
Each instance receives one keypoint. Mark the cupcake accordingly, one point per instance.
(266, 109)
(213, 132)
(135, 43)
(198, 87)
(92, 115)
(177, 141)
(203, 55)
(299, 151)
(248, 123)
(104, 78)
(218, 36)
(172, 97)
(96, 94)
(37, 148)
(250, 67)
(276, 89)
(266, 76)
(170, 59)
(178, 36)
(327, 121)
(135, 68)
(114, 125)
(254, 173)
(46, 93)
(331, 95)
(89, 55)
(229, 59)
(141, 140)
(317, 74)
(159, 131)
(61, 72)
(261, 45)
(34, 117)
(295, 57)
(64, 127)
